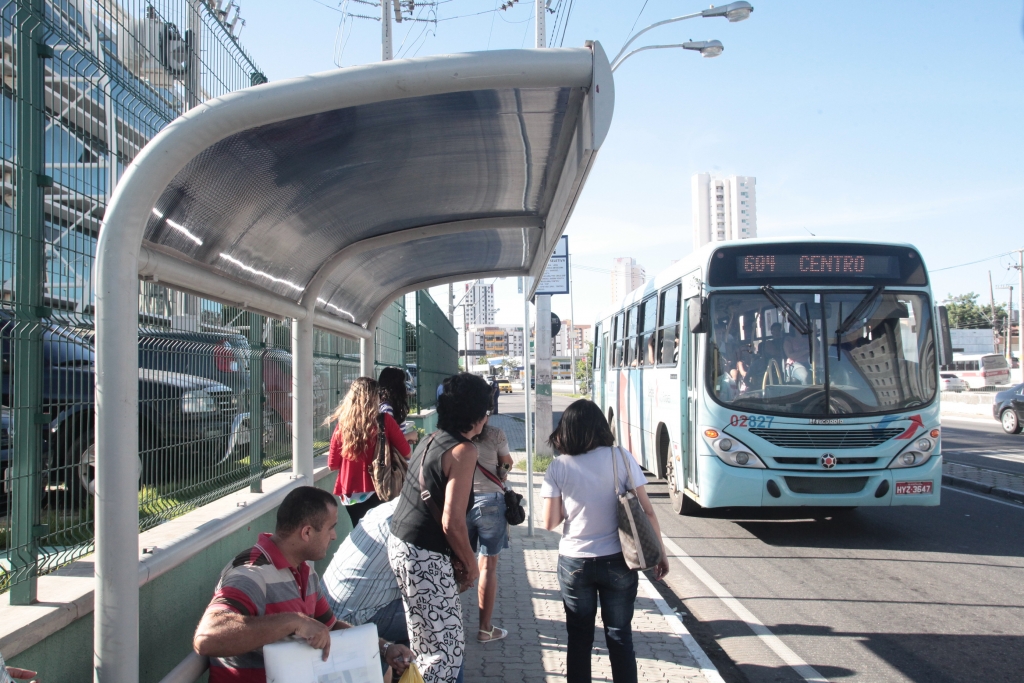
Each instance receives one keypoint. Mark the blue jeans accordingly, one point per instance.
(390, 622)
(486, 523)
(583, 580)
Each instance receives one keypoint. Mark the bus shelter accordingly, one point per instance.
(321, 199)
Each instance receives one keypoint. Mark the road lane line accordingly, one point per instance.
(707, 667)
(774, 643)
(983, 497)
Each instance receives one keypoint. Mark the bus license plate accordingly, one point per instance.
(906, 488)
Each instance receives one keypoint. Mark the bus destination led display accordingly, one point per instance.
(749, 266)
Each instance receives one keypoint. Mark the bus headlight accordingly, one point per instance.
(916, 454)
(731, 451)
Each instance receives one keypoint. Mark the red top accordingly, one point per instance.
(354, 475)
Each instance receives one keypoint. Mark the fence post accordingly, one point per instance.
(302, 398)
(27, 342)
(257, 398)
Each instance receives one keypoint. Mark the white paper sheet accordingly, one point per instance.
(354, 658)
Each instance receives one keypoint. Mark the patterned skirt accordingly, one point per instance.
(433, 610)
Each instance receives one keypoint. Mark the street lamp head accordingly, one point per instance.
(734, 11)
(707, 48)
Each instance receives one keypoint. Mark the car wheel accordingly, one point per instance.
(1008, 418)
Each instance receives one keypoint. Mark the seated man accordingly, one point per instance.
(359, 584)
(269, 593)
(798, 358)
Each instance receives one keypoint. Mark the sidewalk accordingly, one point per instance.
(529, 607)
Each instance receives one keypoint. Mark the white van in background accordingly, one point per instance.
(979, 370)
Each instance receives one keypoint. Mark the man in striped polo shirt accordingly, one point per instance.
(269, 592)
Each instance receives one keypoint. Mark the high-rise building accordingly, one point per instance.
(561, 344)
(627, 275)
(497, 340)
(479, 303)
(723, 208)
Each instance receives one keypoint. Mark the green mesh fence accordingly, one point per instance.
(431, 348)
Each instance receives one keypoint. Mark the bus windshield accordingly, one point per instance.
(850, 353)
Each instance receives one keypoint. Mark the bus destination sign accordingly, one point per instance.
(750, 266)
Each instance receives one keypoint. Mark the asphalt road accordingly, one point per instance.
(875, 595)
(982, 443)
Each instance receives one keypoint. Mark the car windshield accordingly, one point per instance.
(864, 352)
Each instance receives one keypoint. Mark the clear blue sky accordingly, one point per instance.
(868, 119)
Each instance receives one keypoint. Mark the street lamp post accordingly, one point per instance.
(734, 11)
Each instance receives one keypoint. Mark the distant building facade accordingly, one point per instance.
(479, 303)
(724, 209)
(561, 344)
(497, 340)
(627, 275)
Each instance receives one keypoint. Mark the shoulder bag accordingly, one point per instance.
(388, 468)
(514, 512)
(641, 547)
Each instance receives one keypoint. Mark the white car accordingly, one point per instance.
(951, 382)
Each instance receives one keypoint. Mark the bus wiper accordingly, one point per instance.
(859, 311)
(798, 322)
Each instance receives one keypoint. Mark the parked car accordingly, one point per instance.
(220, 356)
(505, 386)
(1008, 408)
(186, 422)
(951, 382)
(5, 453)
(277, 386)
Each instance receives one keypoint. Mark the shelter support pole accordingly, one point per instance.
(544, 424)
(529, 416)
(256, 399)
(27, 338)
(302, 398)
(367, 349)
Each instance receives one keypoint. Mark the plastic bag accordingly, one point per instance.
(411, 675)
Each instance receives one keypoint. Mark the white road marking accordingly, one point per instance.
(676, 624)
(983, 497)
(774, 643)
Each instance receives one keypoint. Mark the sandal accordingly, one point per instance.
(494, 634)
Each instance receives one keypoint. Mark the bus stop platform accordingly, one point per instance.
(529, 607)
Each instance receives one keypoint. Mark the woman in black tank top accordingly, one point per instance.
(429, 533)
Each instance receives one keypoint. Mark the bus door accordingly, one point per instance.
(689, 377)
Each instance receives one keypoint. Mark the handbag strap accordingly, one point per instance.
(490, 476)
(615, 469)
(425, 496)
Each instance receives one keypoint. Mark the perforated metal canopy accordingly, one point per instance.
(474, 171)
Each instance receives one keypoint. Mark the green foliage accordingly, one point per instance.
(540, 463)
(966, 313)
(584, 370)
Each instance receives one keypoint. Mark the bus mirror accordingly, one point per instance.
(695, 308)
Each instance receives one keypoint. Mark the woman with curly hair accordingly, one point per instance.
(354, 445)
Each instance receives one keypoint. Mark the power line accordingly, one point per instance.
(971, 263)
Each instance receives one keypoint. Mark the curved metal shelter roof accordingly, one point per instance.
(322, 199)
(447, 168)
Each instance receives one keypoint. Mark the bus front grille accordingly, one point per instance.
(830, 438)
(826, 485)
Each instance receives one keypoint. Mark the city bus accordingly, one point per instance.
(779, 373)
(979, 370)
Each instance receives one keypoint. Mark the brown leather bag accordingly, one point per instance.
(388, 467)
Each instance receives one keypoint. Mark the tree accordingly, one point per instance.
(584, 369)
(965, 312)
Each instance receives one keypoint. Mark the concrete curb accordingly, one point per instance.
(1008, 494)
(961, 483)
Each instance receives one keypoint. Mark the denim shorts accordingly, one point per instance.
(488, 528)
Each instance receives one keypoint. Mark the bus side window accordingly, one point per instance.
(647, 324)
(668, 326)
(631, 337)
(616, 361)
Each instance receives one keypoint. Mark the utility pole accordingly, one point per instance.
(1020, 314)
(992, 305)
(572, 324)
(385, 30)
(451, 303)
(525, 286)
(544, 425)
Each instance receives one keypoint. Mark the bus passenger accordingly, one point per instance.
(798, 369)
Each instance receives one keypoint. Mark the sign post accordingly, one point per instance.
(555, 280)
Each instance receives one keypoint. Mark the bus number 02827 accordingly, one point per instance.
(750, 420)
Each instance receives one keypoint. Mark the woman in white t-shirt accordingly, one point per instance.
(580, 493)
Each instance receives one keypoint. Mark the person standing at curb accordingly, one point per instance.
(488, 528)
(580, 493)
